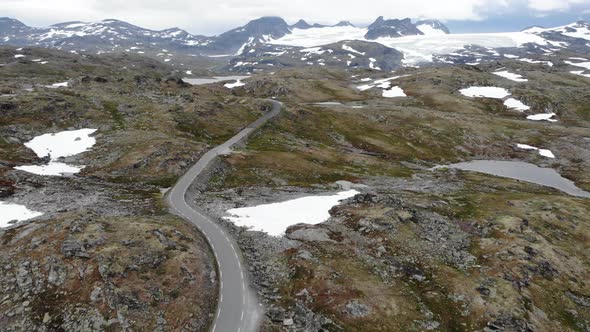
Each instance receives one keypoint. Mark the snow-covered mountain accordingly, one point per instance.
(270, 41)
(577, 30)
(103, 36)
(114, 35)
(382, 28)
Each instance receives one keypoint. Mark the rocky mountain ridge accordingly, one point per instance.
(112, 35)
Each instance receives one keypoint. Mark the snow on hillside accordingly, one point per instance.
(320, 36)
(428, 30)
(275, 218)
(58, 145)
(574, 30)
(10, 212)
(416, 49)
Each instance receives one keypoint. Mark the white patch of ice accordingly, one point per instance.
(236, 84)
(516, 105)
(188, 72)
(548, 63)
(350, 49)
(542, 117)
(543, 152)
(526, 147)
(573, 30)
(372, 64)
(394, 92)
(416, 49)
(428, 30)
(546, 153)
(17, 56)
(62, 144)
(579, 64)
(274, 219)
(51, 169)
(10, 212)
(58, 85)
(485, 92)
(580, 73)
(313, 50)
(511, 76)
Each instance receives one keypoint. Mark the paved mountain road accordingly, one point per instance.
(238, 309)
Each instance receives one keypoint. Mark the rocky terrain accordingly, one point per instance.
(417, 249)
(106, 254)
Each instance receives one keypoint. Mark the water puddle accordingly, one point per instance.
(209, 80)
(522, 171)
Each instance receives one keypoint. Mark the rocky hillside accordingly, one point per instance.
(417, 249)
(105, 254)
(382, 28)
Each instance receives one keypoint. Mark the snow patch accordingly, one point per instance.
(274, 219)
(485, 92)
(543, 152)
(236, 84)
(350, 49)
(10, 213)
(428, 30)
(58, 85)
(394, 92)
(542, 117)
(58, 145)
(511, 76)
(516, 105)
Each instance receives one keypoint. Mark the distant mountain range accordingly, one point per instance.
(114, 35)
(269, 43)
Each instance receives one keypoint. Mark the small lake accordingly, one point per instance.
(209, 80)
(522, 171)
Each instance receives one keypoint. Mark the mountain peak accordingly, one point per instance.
(344, 24)
(429, 27)
(392, 28)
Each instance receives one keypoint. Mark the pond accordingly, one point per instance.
(209, 80)
(522, 171)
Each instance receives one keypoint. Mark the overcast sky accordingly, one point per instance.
(216, 16)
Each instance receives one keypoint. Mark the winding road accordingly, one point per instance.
(238, 309)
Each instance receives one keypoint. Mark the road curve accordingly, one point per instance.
(238, 309)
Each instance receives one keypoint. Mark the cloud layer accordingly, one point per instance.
(209, 17)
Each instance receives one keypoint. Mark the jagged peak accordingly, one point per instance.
(344, 24)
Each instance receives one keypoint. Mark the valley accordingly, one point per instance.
(305, 177)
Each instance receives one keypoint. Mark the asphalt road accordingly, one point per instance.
(238, 308)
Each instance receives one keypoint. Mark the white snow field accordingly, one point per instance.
(574, 30)
(542, 117)
(275, 218)
(51, 169)
(58, 85)
(511, 76)
(543, 152)
(394, 92)
(14, 212)
(62, 144)
(416, 49)
(429, 30)
(516, 104)
(485, 92)
(235, 84)
(585, 65)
